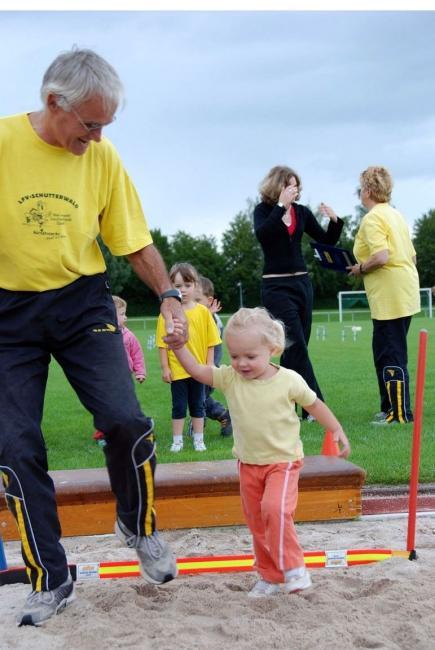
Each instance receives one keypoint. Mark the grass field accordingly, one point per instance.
(345, 372)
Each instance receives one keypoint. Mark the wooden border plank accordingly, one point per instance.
(195, 495)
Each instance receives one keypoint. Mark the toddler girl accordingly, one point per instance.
(133, 350)
(132, 346)
(261, 397)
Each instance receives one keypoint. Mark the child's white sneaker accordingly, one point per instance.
(263, 589)
(177, 446)
(297, 580)
(199, 445)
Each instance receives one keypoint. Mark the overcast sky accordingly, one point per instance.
(214, 99)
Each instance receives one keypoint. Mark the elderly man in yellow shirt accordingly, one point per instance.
(63, 185)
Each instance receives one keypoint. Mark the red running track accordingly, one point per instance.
(385, 500)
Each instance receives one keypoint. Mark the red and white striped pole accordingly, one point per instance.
(416, 443)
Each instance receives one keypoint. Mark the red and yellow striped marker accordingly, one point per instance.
(212, 564)
(235, 563)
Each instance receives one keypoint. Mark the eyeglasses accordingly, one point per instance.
(88, 126)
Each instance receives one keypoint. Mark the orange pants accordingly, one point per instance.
(269, 496)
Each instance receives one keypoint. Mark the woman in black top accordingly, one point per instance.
(286, 288)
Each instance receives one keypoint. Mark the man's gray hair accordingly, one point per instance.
(78, 75)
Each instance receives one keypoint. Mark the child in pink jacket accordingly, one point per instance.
(133, 350)
(132, 347)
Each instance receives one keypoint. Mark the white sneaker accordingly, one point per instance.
(297, 581)
(177, 446)
(199, 445)
(263, 589)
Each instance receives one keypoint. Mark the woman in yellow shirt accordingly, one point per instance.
(387, 263)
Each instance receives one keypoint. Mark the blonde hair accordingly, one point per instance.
(378, 183)
(275, 181)
(120, 303)
(187, 271)
(271, 330)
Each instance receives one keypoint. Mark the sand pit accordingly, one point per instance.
(387, 605)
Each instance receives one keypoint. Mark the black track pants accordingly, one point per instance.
(390, 355)
(291, 300)
(77, 326)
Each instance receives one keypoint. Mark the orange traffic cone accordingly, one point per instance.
(329, 447)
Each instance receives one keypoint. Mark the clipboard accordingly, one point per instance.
(332, 258)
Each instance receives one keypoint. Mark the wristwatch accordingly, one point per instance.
(171, 293)
(280, 205)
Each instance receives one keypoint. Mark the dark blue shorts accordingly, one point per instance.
(187, 392)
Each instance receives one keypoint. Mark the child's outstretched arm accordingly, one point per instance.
(203, 374)
(164, 364)
(327, 419)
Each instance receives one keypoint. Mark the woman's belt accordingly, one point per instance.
(284, 275)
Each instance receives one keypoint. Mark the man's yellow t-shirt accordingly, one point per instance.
(393, 289)
(203, 334)
(54, 204)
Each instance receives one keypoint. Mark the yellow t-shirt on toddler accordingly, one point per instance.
(266, 426)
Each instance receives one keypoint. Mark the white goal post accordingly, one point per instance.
(343, 296)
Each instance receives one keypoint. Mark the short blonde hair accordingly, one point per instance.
(275, 181)
(378, 183)
(271, 330)
(120, 303)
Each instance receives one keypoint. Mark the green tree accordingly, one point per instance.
(351, 225)
(118, 269)
(163, 244)
(141, 300)
(424, 243)
(242, 262)
(201, 252)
